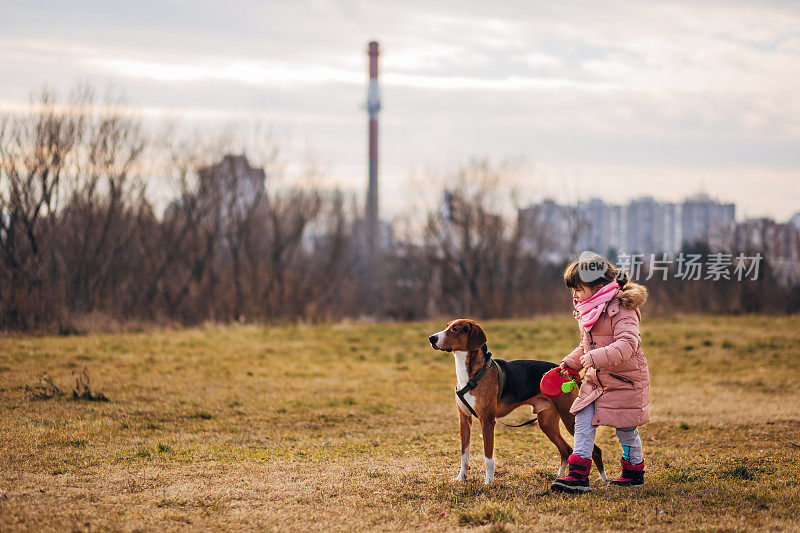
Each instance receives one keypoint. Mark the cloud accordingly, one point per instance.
(681, 86)
(272, 73)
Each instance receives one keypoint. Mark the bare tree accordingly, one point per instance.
(468, 243)
(96, 223)
(35, 148)
(183, 253)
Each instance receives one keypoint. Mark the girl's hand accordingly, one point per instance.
(562, 370)
(586, 361)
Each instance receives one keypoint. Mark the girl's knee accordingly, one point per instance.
(628, 436)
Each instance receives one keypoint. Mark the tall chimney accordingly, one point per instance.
(373, 106)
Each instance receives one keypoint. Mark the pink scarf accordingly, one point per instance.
(591, 309)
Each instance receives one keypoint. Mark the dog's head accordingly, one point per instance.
(460, 335)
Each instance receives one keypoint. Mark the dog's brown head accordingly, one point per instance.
(462, 335)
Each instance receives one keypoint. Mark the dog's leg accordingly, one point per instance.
(597, 455)
(487, 428)
(548, 422)
(563, 404)
(465, 428)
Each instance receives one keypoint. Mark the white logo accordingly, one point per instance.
(591, 267)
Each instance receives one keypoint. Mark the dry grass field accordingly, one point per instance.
(353, 427)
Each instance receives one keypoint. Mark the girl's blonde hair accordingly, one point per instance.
(577, 272)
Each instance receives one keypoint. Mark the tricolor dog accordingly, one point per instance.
(491, 388)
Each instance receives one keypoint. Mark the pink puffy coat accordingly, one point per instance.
(618, 381)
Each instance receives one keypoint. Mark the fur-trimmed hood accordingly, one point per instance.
(632, 295)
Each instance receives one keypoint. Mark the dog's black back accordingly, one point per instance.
(522, 378)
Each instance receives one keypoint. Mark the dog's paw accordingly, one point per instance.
(460, 477)
(488, 482)
(603, 477)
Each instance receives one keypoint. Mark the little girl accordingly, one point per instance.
(616, 388)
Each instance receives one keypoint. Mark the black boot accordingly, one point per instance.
(577, 481)
(632, 475)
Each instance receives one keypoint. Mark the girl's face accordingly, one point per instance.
(582, 293)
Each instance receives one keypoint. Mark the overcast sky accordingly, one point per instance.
(608, 99)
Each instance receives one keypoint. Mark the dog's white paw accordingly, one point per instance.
(489, 470)
(603, 477)
(462, 472)
(488, 481)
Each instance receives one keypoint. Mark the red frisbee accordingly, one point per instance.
(551, 382)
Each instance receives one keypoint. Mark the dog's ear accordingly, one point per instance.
(475, 337)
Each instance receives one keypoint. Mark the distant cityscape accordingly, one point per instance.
(645, 225)
(555, 232)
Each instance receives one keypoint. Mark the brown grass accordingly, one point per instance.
(353, 426)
